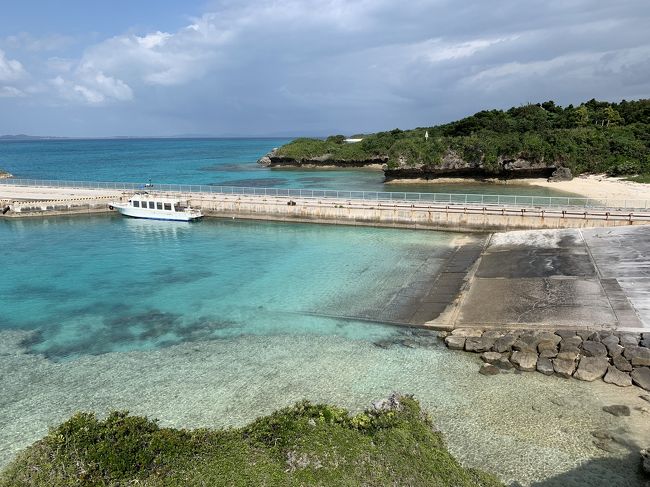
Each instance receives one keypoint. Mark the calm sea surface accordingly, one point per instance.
(214, 323)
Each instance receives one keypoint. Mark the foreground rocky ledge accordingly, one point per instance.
(622, 359)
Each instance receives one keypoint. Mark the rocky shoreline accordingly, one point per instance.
(273, 159)
(622, 359)
(452, 165)
(5, 175)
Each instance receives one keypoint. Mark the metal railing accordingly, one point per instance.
(445, 198)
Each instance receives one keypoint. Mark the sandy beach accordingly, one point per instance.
(596, 186)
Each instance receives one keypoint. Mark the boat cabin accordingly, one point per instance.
(152, 203)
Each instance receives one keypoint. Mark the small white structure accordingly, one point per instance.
(426, 135)
(353, 141)
(144, 205)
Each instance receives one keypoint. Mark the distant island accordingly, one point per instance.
(536, 140)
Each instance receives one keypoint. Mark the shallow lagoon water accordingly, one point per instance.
(215, 323)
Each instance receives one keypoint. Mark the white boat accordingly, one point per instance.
(144, 205)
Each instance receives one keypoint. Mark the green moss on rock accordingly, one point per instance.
(305, 444)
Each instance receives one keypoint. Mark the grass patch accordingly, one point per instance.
(305, 444)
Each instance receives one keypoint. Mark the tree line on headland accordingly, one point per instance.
(596, 136)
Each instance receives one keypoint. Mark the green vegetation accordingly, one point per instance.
(593, 137)
(302, 445)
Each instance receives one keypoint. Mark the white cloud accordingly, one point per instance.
(10, 92)
(92, 87)
(10, 69)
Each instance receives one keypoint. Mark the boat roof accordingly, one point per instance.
(153, 197)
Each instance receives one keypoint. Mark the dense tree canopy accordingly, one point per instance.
(596, 136)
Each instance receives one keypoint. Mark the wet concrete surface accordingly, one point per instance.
(590, 278)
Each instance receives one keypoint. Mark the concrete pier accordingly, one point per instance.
(466, 217)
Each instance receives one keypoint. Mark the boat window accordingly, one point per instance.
(159, 206)
(168, 206)
(143, 204)
(136, 204)
(152, 205)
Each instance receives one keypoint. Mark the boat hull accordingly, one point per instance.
(148, 214)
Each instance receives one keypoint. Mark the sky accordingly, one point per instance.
(306, 67)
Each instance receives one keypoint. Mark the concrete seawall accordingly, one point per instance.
(408, 215)
(466, 217)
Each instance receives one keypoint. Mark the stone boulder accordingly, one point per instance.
(478, 344)
(545, 366)
(622, 364)
(617, 410)
(570, 355)
(641, 377)
(488, 369)
(526, 361)
(629, 340)
(564, 368)
(526, 343)
(504, 344)
(616, 377)
(503, 363)
(594, 349)
(591, 368)
(561, 174)
(638, 356)
(570, 343)
(491, 357)
(608, 340)
(455, 342)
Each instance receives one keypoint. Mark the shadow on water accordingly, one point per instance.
(606, 472)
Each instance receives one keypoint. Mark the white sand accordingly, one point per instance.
(597, 186)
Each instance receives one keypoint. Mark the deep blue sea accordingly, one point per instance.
(227, 162)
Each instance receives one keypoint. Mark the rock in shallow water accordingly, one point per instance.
(591, 368)
(616, 377)
(478, 344)
(564, 368)
(641, 377)
(455, 342)
(617, 410)
(545, 366)
(526, 361)
(491, 357)
(488, 369)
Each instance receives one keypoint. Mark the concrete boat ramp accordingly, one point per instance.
(595, 278)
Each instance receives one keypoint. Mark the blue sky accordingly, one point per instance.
(289, 67)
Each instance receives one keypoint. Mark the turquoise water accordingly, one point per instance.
(215, 323)
(90, 285)
(200, 161)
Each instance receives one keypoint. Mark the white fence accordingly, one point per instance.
(450, 198)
